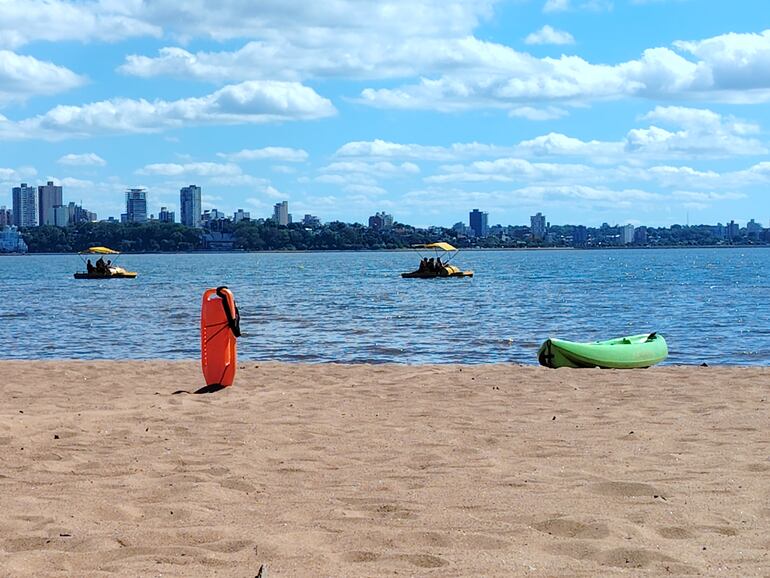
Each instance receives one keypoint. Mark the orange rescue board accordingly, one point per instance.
(220, 326)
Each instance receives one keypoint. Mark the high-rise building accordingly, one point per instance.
(166, 216)
(190, 206)
(25, 206)
(281, 213)
(311, 221)
(640, 236)
(732, 230)
(753, 229)
(579, 236)
(459, 227)
(48, 197)
(6, 217)
(62, 216)
(538, 226)
(136, 206)
(627, 234)
(478, 222)
(241, 215)
(381, 220)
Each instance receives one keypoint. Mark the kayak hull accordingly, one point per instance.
(629, 352)
(125, 275)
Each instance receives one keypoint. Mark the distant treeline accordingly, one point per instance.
(128, 237)
(247, 236)
(265, 235)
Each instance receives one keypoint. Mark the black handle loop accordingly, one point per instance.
(233, 320)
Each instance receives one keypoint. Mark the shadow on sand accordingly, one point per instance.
(205, 389)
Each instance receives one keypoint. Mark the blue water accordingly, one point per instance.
(712, 305)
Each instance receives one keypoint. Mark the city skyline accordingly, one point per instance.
(628, 111)
(136, 202)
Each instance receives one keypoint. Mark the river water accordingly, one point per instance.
(712, 305)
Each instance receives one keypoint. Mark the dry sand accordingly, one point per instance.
(335, 470)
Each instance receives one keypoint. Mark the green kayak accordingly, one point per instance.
(621, 353)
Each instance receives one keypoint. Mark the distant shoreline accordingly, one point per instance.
(407, 249)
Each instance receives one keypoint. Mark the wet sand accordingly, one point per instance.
(372, 470)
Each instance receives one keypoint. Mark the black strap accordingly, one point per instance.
(234, 321)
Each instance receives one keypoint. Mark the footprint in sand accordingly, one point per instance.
(565, 528)
(425, 560)
(675, 533)
(624, 489)
(360, 556)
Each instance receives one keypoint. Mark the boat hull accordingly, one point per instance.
(444, 273)
(126, 275)
(424, 275)
(629, 352)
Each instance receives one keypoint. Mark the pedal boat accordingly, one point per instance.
(446, 271)
(112, 272)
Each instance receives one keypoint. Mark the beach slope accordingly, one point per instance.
(372, 470)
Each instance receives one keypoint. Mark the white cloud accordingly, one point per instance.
(376, 169)
(531, 113)
(565, 5)
(82, 160)
(549, 35)
(556, 144)
(283, 169)
(519, 170)
(733, 68)
(25, 21)
(703, 133)
(385, 149)
(252, 102)
(22, 77)
(282, 154)
(556, 6)
(202, 169)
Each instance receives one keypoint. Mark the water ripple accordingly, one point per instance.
(353, 307)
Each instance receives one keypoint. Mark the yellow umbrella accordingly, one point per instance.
(443, 246)
(99, 251)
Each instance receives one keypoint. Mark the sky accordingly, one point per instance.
(621, 111)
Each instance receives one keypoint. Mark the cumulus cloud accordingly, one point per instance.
(82, 160)
(25, 21)
(565, 5)
(282, 154)
(384, 149)
(252, 102)
(549, 35)
(531, 113)
(556, 6)
(702, 133)
(22, 77)
(378, 169)
(203, 169)
(733, 68)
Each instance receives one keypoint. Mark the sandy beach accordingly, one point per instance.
(372, 470)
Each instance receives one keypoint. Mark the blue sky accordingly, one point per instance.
(624, 111)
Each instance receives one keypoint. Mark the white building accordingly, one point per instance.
(190, 206)
(25, 206)
(281, 213)
(49, 196)
(538, 226)
(628, 234)
(241, 215)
